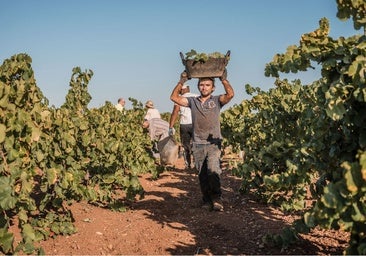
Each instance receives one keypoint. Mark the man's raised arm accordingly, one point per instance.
(229, 91)
(175, 96)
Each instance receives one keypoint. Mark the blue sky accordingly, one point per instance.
(133, 46)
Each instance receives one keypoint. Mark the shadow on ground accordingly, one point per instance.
(237, 230)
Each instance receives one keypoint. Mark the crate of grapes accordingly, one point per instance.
(198, 65)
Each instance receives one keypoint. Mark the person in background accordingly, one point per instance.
(157, 128)
(185, 126)
(152, 112)
(164, 147)
(120, 106)
(207, 136)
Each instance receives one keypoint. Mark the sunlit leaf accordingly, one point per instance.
(6, 240)
(52, 175)
(28, 232)
(36, 134)
(2, 132)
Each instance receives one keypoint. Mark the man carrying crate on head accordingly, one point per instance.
(207, 137)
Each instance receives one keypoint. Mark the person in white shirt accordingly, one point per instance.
(152, 112)
(158, 128)
(185, 126)
(120, 104)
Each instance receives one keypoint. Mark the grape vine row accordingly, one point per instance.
(51, 157)
(309, 141)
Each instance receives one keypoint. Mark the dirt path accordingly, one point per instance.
(170, 221)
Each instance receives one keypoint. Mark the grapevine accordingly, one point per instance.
(52, 157)
(299, 138)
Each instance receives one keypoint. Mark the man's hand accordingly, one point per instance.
(224, 76)
(183, 77)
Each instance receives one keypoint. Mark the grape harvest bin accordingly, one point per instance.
(213, 67)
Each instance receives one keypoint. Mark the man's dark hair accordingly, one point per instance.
(206, 78)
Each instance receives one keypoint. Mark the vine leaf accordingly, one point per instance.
(2, 133)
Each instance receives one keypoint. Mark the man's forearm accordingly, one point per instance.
(229, 92)
(174, 115)
(177, 98)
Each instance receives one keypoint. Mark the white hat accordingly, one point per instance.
(149, 104)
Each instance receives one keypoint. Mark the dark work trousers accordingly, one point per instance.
(186, 137)
(207, 162)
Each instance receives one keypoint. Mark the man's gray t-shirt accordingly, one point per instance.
(205, 119)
